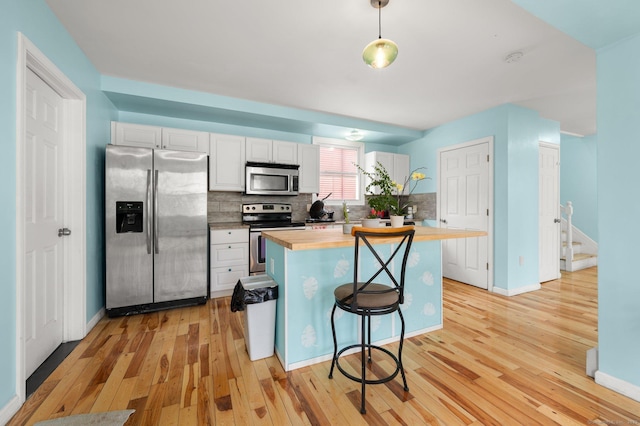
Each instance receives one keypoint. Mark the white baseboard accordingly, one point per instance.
(516, 291)
(97, 317)
(618, 385)
(8, 411)
(592, 362)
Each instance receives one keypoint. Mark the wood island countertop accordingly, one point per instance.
(330, 238)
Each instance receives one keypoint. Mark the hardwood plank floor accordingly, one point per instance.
(497, 361)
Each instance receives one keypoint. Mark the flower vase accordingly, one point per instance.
(346, 228)
(396, 221)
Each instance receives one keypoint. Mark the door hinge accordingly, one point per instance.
(487, 158)
(487, 212)
(487, 266)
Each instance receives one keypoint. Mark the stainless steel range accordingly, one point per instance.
(264, 217)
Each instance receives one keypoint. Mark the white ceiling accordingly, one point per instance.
(307, 54)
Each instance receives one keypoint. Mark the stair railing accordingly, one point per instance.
(567, 210)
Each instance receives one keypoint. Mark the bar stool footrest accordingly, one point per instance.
(368, 381)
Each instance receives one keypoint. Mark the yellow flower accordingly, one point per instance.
(417, 176)
(399, 186)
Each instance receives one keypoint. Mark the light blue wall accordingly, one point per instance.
(209, 126)
(516, 133)
(549, 131)
(36, 21)
(9, 18)
(578, 181)
(595, 23)
(618, 208)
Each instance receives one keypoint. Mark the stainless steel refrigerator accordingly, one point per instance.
(156, 229)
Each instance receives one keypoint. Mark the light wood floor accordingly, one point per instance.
(498, 360)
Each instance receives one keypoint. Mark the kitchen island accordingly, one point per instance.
(308, 265)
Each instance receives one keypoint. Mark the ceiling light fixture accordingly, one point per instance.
(355, 135)
(380, 53)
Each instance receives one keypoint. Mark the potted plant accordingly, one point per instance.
(379, 189)
(373, 219)
(346, 227)
(398, 209)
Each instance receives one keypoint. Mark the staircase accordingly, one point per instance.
(578, 251)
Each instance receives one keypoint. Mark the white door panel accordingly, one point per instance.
(464, 203)
(43, 217)
(549, 213)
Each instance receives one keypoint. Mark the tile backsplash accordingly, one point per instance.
(227, 206)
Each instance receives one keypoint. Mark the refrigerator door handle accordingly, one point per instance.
(155, 213)
(148, 227)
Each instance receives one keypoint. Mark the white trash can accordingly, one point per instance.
(260, 294)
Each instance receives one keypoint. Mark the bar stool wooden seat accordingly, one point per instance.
(370, 297)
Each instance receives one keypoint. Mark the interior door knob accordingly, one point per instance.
(63, 232)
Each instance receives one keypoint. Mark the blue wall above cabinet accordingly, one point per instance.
(152, 99)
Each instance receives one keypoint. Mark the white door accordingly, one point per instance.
(549, 212)
(43, 209)
(464, 204)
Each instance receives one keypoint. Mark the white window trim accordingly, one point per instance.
(341, 143)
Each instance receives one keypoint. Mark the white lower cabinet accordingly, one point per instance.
(229, 260)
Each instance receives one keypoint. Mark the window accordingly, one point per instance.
(338, 174)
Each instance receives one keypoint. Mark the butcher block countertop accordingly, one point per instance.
(330, 238)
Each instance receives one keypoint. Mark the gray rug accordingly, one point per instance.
(110, 418)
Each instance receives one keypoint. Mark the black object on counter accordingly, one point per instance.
(317, 210)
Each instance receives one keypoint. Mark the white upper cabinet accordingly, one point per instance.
(270, 151)
(309, 160)
(226, 163)
(136, 135)
(285, 152)
(130, 134)
(185, 140)
(401, 167)
(259, 150)
(397, 165)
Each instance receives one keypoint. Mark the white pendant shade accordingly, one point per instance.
(380, 53)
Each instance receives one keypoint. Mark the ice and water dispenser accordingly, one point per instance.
(128, 216)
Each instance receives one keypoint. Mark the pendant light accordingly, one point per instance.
(380, 53)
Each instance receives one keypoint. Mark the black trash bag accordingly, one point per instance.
(237, 298)
(242, 297)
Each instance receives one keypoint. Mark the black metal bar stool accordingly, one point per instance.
(369, 298)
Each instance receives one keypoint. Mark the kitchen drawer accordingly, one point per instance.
(229, 254)
(225, 236)
(223, 280)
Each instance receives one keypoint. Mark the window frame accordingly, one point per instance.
(341, 143)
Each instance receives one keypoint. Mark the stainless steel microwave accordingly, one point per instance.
(271, 179)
